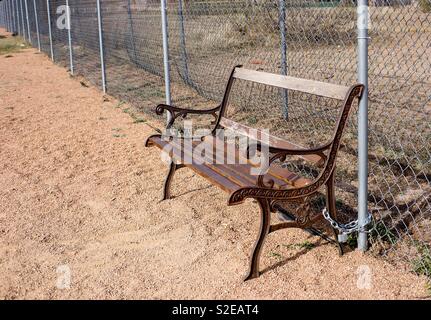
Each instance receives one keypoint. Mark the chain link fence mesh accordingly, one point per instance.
(303, 38)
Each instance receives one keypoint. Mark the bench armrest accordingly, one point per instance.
(176, 112)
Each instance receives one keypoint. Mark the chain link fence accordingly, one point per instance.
(303, 38)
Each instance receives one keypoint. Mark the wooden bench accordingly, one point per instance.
(277, 184)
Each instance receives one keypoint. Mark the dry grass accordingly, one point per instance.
(9, 45)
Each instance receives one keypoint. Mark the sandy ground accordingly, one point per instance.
(80, 193)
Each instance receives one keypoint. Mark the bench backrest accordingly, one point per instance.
(318, 88)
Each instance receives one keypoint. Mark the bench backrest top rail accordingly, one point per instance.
(317, 88)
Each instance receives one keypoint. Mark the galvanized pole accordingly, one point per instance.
(69, 35)
(18, 6)
(8, 16)
(28, 23)
(12, 7)
(102, 56)
(11, 16)
(362, 11)
(15, 21)
(283, 47)
(22, 19)
(183, 48)
(16, 12)
(129, 15)
(48, 11)
(37, 24)
(4, 14)
(166, 55)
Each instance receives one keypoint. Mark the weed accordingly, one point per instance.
(252, 120)
(306, 245)
(425, 5)
(380, 231)
(428, 287)
(276, 255)
(422, 264)
(139, 120)
(119, 104)
(11, 45)
(352, 240)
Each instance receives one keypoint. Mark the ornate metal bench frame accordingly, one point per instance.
(264, 192)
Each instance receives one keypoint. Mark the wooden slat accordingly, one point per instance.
(229, 177)
(281, 176)
(317, 88)
(203, 170)
(273, 141)
(241, 169)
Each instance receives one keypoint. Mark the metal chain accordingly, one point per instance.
(348, 228)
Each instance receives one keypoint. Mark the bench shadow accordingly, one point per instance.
(193, 190)
(190, 191)
(295, 256)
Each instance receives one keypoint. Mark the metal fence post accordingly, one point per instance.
(16, 14)
(362, 12)
(11, 16)
(18, 29)
(166, 54)
(69, 36)
(3, 20)
(36, 20)
(102, 56)
(22, 19)
(28, 22)
(129, 15)
(8, 16)
(12, 8)
(48, 12)
(283, 47)
(183, 48)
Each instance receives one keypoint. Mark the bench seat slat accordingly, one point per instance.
(229, 177)
(313, 87)
(177, 155)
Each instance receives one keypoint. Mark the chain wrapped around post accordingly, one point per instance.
(348, 228)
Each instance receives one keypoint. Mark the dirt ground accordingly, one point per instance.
(80, 193)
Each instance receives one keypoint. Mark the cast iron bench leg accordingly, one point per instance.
(167, 186)
(263, 232)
